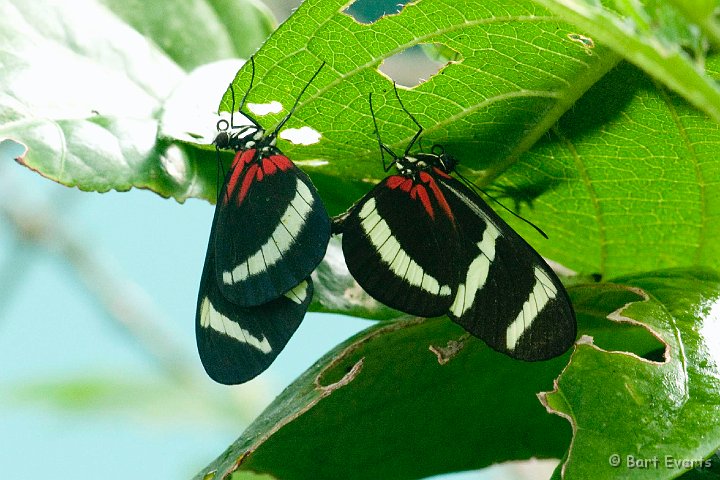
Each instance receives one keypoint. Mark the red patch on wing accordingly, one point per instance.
(440, 172)
(282, 162)
(268, 167)
(253, 170)
(394, 181)
(241, 159)
(421, 192)
(398, 181)
(430, 181)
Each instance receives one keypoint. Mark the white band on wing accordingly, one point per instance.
(392, 254)
(211, 318)
(291, 224)
(477, 272)
(543, 291)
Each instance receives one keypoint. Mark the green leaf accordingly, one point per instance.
(655, 36)
(597, 169)
(516, 74)
(383, 405)
(229, 27)
(625, 182)
(83, 89)
(642, 410)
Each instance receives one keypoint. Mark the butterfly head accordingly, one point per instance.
(442, 160)
(239, 138)
(412, 165)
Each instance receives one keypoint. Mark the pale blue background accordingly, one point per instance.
(53, 329)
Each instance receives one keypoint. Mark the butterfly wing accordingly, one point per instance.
(271, 227)
(238, 343)
(395, 242)
(508, 296)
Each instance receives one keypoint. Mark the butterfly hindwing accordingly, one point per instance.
(396, 242)
(271, 227)
(508, 296)
(238, 343)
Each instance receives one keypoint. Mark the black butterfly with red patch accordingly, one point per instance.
(269, 232)
(426, 244)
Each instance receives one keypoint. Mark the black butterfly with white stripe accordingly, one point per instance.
(236, 343)
(426, 244)
(271, 227)
(269, 232)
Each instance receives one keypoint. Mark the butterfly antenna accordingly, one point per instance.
(420, 128)
(297, 101)
(476, 188)
(245, 95)
(383, 147)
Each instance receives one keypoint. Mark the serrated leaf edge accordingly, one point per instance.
(615, 316)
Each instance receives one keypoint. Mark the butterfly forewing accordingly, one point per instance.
(238, 343)
(508, 296)
(271, 229)
(397, 244)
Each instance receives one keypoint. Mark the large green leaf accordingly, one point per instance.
(516, 74)
(83, 90)
(627, 153)
(648, 419)
(382, 405)
(623, 181)
(626, 146)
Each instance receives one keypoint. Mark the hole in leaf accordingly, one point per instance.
(710, 329)
(370, 11)
(586, 42)
(301, 136)
(592, 307)
(262, 109)
(627, 337)
(417, 64)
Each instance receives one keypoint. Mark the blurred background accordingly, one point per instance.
(98, 365)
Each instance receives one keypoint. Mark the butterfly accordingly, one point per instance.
(269, 232)
(425, 243)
